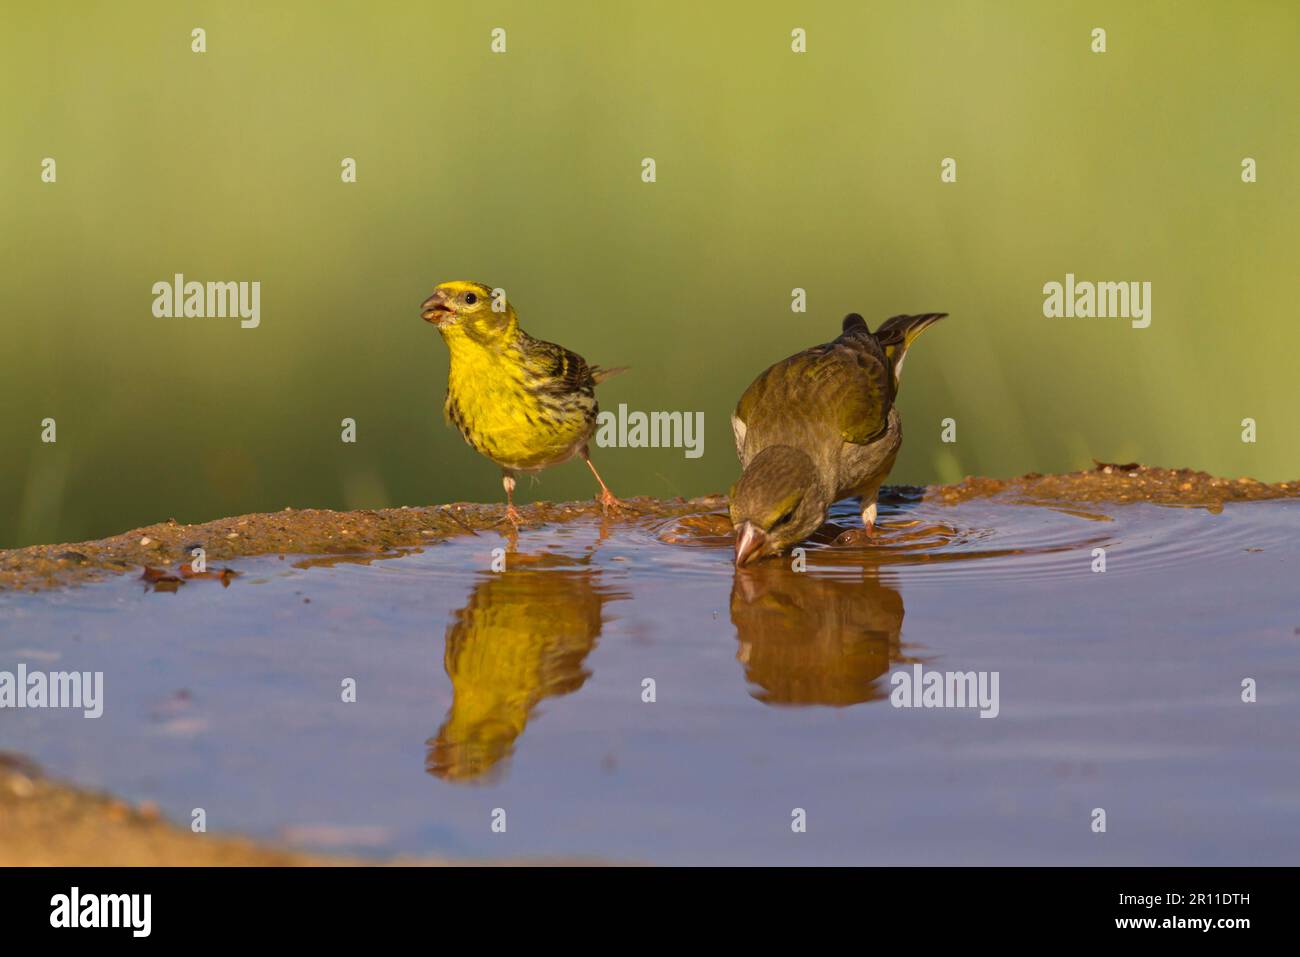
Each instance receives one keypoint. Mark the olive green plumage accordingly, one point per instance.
(815, 428)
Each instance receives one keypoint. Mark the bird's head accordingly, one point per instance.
(463, 308)
(778, 502)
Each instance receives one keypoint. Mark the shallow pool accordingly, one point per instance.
(521, 697)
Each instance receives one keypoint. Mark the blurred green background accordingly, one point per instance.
(775, 171)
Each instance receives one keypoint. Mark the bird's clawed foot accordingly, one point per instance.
(866, 535)
(856, 536)
(608, 503)
(512, 513)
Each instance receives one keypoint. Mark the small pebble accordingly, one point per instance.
(146, 540)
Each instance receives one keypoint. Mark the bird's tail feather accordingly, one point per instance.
(896, 334)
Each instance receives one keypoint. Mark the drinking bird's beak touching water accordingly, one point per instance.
(749, 543)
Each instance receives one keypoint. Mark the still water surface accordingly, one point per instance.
(523, 690)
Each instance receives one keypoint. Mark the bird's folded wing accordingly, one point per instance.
(855, 384)
(558, 371)
(843, 387)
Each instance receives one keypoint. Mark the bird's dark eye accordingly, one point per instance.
(470, 298)
(784, 518)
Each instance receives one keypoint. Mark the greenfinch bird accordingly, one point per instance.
(521, 402)
(818, 427)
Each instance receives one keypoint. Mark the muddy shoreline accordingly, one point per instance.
(308, 531)
(374, 531)
(45, 823)
(49, 823)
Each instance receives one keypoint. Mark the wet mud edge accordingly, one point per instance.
(375, 531)
(46, 823)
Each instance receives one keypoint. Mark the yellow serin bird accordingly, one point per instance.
(524, 403)
(818, 427)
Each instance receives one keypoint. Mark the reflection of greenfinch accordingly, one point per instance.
(815, 428)
(524, 403)
(805, 639)
(523, 636)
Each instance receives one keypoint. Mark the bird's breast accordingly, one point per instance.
(492, 402)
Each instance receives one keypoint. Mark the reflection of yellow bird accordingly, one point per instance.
(523, 636)
(811, 640)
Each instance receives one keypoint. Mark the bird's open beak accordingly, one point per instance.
(749, 543)
(435, 309)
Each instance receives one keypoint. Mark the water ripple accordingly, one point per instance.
(999, 538)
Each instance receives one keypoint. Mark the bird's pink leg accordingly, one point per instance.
(607, 499)
(869, 518)
(512, 513)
